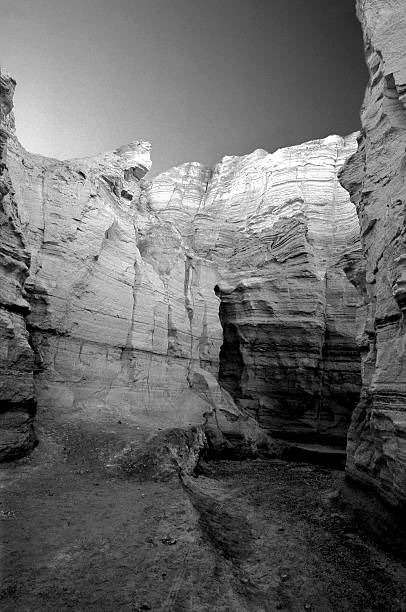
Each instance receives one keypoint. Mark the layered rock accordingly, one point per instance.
(375, 177)
(127, 277)
(17, 403)
(124, 319)
(289, 355)
(100, 311)
(278, 229)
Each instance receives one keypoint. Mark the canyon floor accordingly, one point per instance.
(256, 535)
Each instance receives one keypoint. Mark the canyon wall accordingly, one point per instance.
(112, 318)
(375, 177)
(17, 399)
(280, 230)
(234, 299)
(144, 293)
(123, 320)
(286, 230)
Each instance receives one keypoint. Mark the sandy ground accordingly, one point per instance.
(242, 536)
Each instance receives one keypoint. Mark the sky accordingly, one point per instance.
(199, 79)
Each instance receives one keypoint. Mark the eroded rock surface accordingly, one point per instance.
(285, 229)
(126, 278)
(17, 402)
(279, 230)
(375, 177)
(124, 319)
(106, 286)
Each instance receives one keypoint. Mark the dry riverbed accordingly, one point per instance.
(242, 536)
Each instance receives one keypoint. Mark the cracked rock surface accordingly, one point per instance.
(375, 177)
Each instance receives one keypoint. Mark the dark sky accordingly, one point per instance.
(199, 79)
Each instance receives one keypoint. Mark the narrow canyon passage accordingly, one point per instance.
(242, 536)
(203, 372)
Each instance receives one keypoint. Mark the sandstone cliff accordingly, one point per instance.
(375, 177)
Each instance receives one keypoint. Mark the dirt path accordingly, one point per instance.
(252, 536)
(303, 552)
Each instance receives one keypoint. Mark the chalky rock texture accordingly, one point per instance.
(281, 230)
(17, 403)
(376, 179)
(127, 276)
(124, 319)
(108, 291)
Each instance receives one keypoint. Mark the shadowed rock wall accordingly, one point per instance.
(17, 402)
(280, 229)
(376, 179)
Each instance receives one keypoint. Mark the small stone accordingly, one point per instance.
(284, 577)
(168, 541)
(307, 606)
(7, 514)
(333, 496)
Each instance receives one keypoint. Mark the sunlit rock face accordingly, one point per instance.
(124, 319)
(144, 295)
(375, 177)
(17, 403)
(102, 298)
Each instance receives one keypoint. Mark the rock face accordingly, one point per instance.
(17, 403)
(100, 309)
(143, 295)
(376, 179)
(124, 319)
(284, 230)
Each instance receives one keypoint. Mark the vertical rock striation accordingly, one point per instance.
(102, 284)
(124, 319)
(287, 309)
(376, 179)
(278, 229)
(17, 403)
(125, 278)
